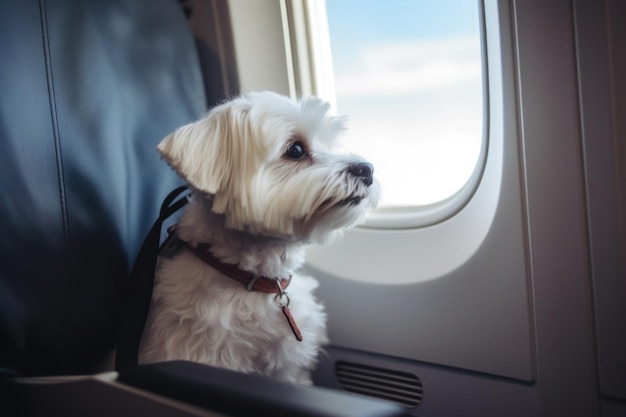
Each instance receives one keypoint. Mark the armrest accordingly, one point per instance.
(237, 394)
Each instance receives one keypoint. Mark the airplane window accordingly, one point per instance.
(409, 76)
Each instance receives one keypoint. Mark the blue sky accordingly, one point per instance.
(354, 22)
(408, 76)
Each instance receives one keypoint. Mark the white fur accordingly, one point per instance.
(258, 209)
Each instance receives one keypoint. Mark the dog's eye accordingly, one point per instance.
(295, 151)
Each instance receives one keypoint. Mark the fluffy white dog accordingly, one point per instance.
(266, 182)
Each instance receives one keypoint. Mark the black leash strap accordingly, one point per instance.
(141, 281)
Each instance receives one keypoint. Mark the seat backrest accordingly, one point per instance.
(87, 90)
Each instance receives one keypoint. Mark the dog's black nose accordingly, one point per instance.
(363, 170)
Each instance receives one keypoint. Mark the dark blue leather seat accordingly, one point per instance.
(87, 90)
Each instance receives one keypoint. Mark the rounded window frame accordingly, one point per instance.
(311, 73)
(433, 241)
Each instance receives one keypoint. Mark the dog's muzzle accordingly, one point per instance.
(364, 171)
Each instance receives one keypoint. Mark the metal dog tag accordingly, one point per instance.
(283, 301)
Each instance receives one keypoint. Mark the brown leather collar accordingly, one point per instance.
(251, 281)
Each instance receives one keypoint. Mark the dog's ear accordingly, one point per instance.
(198, 153)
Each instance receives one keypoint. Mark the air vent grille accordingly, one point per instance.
(400, 387)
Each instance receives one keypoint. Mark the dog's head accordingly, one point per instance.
(271, 167)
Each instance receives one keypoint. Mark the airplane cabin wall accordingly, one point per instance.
(565, 99)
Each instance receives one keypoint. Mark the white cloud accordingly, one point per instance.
(415, 111)
(409, 67)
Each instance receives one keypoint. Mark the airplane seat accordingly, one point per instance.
(88, 89)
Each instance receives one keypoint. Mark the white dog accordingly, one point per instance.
(265, 184)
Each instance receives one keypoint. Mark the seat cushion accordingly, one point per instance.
(88, 90)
